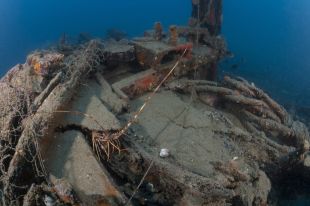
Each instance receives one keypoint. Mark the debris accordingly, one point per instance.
(150, 53)
(64, 191)
(193, 33)
(136, 84)
(118, 52)
(164, 153)
(49, 201)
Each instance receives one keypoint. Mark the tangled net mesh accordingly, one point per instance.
(12, 109)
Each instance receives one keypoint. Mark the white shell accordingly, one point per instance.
(164, 152)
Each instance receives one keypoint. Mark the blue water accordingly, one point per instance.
(271, 43)
(26, 25)
(270, 39)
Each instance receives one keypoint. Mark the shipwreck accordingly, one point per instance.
(144, 121)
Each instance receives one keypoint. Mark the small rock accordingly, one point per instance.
(64, 190)
(307, 161)
(49, 201)
(164, 153)
(150, 187)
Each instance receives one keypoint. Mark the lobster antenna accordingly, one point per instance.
(137, 114)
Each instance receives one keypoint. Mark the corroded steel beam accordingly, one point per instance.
(207, 13)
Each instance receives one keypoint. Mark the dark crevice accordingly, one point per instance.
(290, 185)
(69, 127)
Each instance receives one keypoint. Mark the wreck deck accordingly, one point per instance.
(94, 120)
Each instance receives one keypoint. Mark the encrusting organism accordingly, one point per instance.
(173, 39)
(158, 31)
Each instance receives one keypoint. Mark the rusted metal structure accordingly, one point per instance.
(208, 14)
(70, 132)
